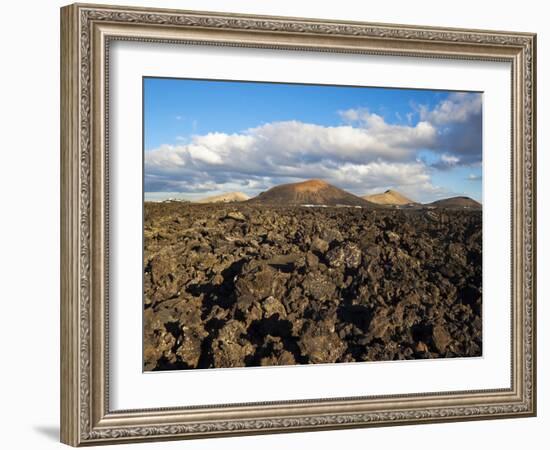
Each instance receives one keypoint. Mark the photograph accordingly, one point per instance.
(293, 222)
(288, 224)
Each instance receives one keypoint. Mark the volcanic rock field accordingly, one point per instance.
(244, 284)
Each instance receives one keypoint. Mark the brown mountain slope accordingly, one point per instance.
(456, 202)
(389, 197)
(310, 192)
(225, 198)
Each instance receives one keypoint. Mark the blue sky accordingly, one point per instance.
(204, 137)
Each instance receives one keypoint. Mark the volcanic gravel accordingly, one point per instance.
(233, 285)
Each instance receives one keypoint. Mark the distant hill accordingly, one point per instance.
(225, 198)
(389, 197)
(310, 192)
(456, 202)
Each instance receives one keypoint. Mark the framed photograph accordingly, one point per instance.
(276, 224)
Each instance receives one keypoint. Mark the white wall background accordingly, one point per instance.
(29, 225)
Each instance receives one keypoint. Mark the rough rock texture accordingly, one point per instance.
(232, 285)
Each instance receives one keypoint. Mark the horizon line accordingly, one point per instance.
(196, 197)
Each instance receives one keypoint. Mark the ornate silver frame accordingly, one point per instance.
(86, 31)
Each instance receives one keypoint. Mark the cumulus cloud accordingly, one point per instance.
(458, 120)
(373, 139)
(459, 107)
(454, 127)
(449, 159)
(364, 154)
(446, 161)
(288, 150)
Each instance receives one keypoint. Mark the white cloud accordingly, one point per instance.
(281, 146)
(458, 120)
(449, 160)
(457, 108)
(204, 154)
(352, 115)
(253, 163)
(363, 155)
(165, 157)
(422, 135)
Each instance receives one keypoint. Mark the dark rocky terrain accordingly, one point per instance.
(229, 285)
